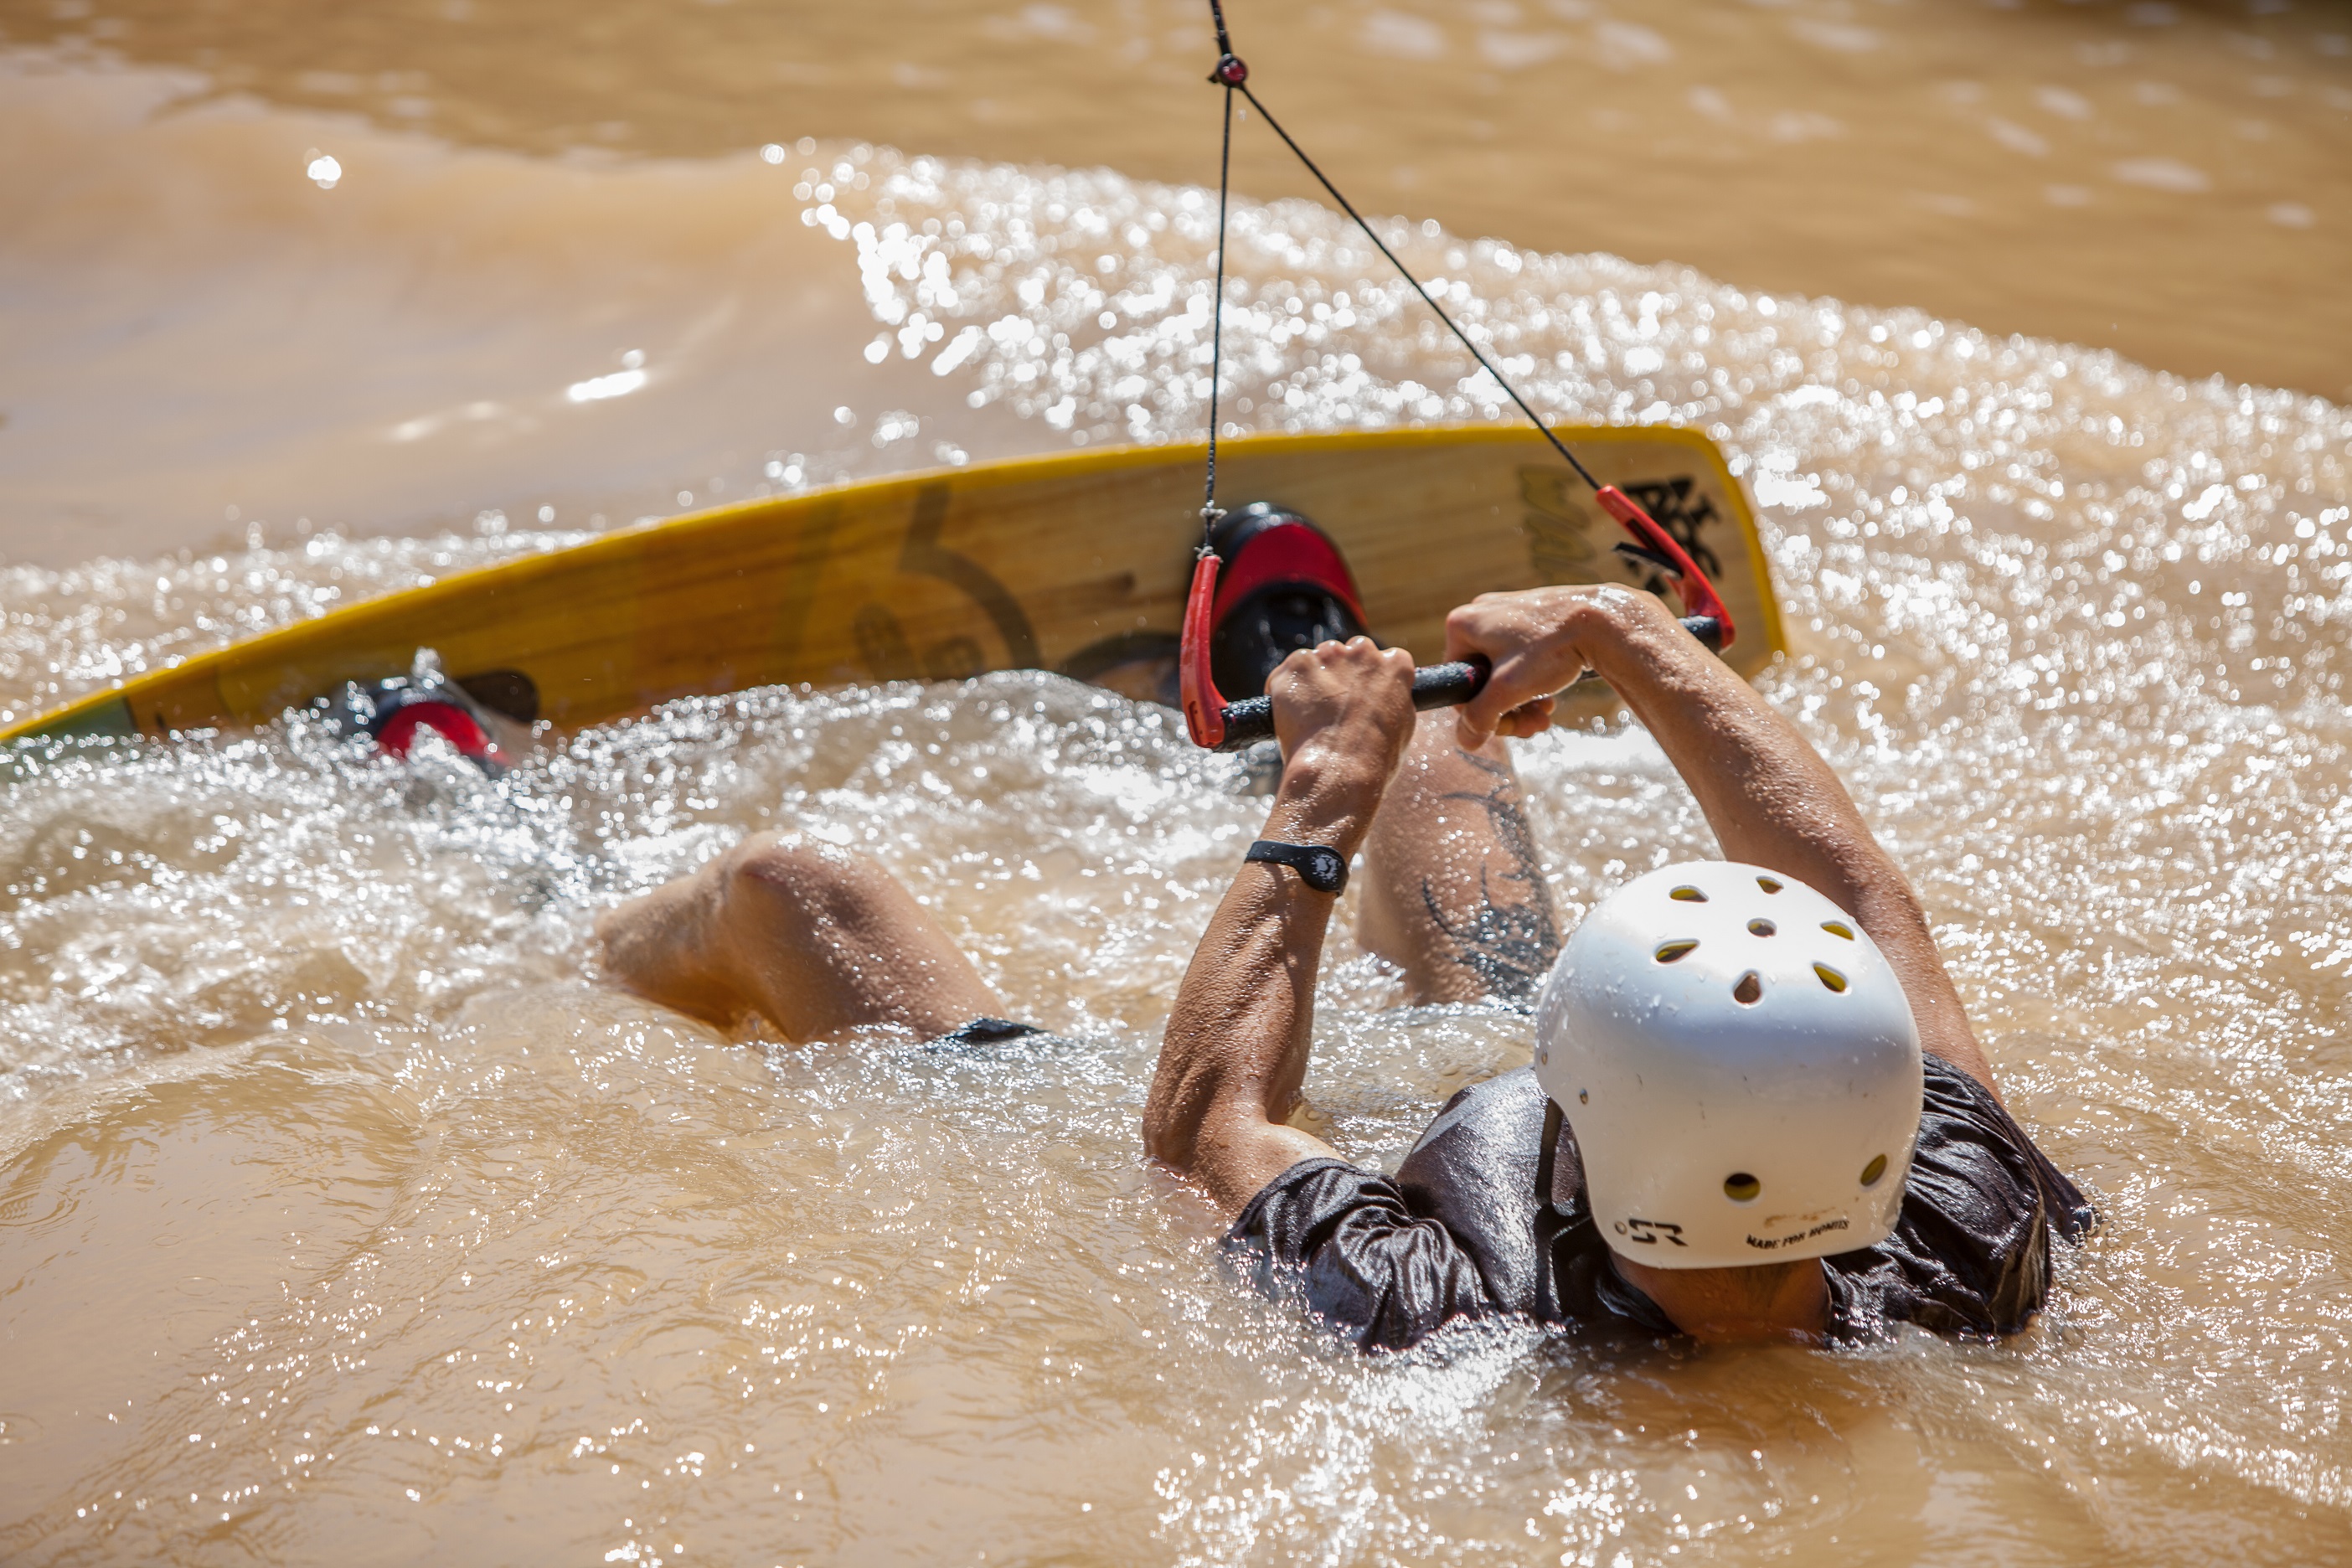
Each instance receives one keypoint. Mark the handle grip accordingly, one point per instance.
(1251, 719)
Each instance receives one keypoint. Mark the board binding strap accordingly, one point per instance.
(397, 712)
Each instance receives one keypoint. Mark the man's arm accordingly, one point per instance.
(1769, 796)
(1235, 1052)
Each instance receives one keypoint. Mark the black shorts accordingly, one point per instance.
(986, 1031)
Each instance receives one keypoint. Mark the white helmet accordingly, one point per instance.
(1739, 1066)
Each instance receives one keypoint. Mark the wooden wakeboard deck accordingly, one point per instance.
(1066, 563)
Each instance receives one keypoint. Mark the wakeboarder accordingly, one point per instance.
(1757, 1109)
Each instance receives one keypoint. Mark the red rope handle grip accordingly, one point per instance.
(1691, 587)
(1204, 708)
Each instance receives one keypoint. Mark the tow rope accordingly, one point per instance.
(1219, 725)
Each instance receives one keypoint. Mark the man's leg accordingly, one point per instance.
(815, 939)
(1452, 891)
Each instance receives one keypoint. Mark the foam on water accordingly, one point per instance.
(468, 1230)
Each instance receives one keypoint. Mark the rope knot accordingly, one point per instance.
(1229, 72)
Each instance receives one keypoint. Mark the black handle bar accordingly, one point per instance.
(1251, 719)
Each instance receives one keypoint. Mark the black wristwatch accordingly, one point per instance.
(1325, 870)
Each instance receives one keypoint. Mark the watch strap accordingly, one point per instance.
(1321, 869)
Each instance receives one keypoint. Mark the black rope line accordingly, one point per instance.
(1232, 75)
(1476, 353)
(1210, 512)
(1225, 44)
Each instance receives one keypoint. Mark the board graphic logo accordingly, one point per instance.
(882, 640)
(1671, 503)
(1561, 545)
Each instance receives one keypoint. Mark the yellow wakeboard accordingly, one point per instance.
(1076, 561)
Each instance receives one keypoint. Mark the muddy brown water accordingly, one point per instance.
(343, 1214)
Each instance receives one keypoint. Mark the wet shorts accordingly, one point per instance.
(985, 1031)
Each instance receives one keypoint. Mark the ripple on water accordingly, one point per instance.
(455, 1226)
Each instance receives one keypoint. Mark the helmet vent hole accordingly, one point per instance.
(1761, 928)
(1830, 977)
(1689, 895)
(1742, 1188)
(1668, 951)
(1751, 989)
(1871, 1172)
(1838, 928)
(1768, 884)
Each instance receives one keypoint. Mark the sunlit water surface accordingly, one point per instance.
(346, 1217)
(388, 266)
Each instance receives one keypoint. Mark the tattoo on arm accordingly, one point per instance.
(1508, 943)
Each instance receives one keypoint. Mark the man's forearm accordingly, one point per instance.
(1767, 794)
(1773, 800)
(1236, 1047)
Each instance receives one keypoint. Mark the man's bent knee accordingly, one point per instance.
(774, 873)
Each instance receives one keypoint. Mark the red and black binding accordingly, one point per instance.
(1269, 582)
(396, 713)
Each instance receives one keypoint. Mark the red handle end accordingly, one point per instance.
(1205, 709)
(1691, 587)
